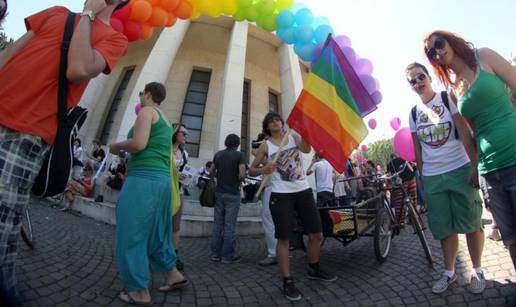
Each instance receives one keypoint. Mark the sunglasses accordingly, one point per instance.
(183, 133)
(141, 93)
(438, 45)
(418, 78)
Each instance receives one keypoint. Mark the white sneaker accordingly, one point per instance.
(442, 284)
(494, 234)
(477, 283)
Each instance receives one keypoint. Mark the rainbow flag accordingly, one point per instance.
(328, 113)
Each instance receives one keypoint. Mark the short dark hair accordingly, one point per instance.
(177, 129)
(77, 140)
(209, 164)
(259, 140)
(157, 91)
(96, 142)
(416, 65)
(232, 141)
(267, 119)
(3, 12)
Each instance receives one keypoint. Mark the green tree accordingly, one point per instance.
(4, 41)
(379, 152)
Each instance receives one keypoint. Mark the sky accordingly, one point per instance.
(388, 32)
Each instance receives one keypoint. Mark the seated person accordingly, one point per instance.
(204, 175)
(81, 187)
(96, 155)
(115, 176)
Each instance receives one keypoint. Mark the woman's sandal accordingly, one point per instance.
(129, 300)
(174, 286)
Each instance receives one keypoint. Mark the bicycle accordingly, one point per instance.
(414, 217)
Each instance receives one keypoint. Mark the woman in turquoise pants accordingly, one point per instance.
(143, 211)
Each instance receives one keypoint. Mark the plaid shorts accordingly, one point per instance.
(21, 156)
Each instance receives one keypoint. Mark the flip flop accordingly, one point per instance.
(129, 300)
(171, 287)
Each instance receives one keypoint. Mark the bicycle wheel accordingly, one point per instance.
(382, 235)
(26, 230)
(413, 216)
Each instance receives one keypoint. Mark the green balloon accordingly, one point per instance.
(244, 3)
(239, 15)
(251, 14)
(284, 4)
(266, 7)
(269, 22)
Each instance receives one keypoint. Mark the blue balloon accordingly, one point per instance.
(321, 33)
(297, 7)
(305, 51)
(286, 35)
(304, 17)
(304, 34)
(285, 19)
(318, 21)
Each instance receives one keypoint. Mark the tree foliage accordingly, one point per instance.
(4, 41)
(379, 152)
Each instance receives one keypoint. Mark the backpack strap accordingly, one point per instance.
(413, 113)
(62, 95)
(444, 97)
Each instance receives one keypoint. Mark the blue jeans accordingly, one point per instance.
(499, 189)
(420, 192)
(223, 238)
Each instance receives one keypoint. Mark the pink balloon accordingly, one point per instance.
(395, 123)
(372, 123)
(364, 148)
(403, 145)
(137, 108)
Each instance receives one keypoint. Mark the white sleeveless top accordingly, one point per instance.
(289, 176)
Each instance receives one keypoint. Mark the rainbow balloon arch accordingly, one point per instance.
(294, 24)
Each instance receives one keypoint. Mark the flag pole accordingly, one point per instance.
(265, 180)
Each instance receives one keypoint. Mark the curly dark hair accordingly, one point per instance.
(267, 119)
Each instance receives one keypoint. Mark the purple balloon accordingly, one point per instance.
(372, 123)
(403, 145)
(350, 54)
(395, 123)
(363, 67)
(369, 83)
(377, 97)
(343, 41)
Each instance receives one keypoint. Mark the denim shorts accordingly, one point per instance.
(499, 188)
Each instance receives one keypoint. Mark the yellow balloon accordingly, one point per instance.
(214, 9)
(229, 7)
(195, 14)
(284, 4)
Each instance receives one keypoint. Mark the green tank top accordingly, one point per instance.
(488, 106)
(156, 156)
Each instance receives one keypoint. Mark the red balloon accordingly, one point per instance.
(132, 30)
(183, 10)
(117, 24)
(123, 13)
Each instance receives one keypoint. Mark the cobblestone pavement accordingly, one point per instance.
(73, 265)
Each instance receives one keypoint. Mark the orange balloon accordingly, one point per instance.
(147, 31)
(183, 10)
(141, 11)
(172, 19)
(169, 5)
(153, 2)
(159, 17)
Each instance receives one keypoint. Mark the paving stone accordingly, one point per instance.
(74, 265)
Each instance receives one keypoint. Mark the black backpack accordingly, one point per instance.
(55, 171)
(444, 97)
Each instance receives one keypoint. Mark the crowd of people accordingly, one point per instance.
(460, 139)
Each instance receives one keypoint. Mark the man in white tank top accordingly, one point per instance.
(290, 193)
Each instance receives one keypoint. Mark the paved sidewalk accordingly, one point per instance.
(73, 265)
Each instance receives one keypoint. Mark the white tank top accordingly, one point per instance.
(289, 176)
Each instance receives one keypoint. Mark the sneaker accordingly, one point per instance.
(477, 283)
(290, 291)
(318, 274)
(215, 258)
(442, 284)
(235, 259)
(268, 261)
(99, 199)
(494, 234)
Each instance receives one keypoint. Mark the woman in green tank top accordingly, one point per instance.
(481, 80)
(143, 211)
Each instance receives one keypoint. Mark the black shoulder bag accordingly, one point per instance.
(55, 171)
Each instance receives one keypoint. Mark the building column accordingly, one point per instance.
(89, 101)
(230, 112)
(156, 69)
(290, 77)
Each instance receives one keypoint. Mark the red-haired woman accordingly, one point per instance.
(479, 79)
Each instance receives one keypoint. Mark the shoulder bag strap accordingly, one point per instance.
(62, 106)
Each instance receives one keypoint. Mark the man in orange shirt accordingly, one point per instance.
(29, 74)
